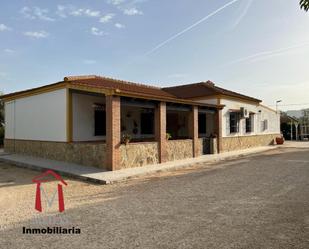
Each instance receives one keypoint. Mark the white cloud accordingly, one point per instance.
(7, 50)
(64, 11)
(3, 27)
(36, 13)
(119, 26)
(115, 2)
(97, 32)
(107, 18)
(132, 11)
(26, 11)
(92, 13)
(61, 11)
(76, 12)
(89, 62)
(37, 34)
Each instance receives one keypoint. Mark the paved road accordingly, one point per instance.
(254, 202)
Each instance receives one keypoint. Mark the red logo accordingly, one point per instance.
(39, 189)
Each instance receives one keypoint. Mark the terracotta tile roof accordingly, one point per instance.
(184, 93)
(204, 89)
(123, 86)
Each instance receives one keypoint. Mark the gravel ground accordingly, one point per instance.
(253, 202)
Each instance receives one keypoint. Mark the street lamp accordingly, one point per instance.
(277, 102)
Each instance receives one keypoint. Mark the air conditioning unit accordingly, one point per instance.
(244, 113)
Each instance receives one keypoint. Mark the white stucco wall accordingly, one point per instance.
(38, 117)
(83, 116)
(260, 113)
(212, 101)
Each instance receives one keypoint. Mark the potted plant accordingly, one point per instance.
(126, 138)
(280, 140)
(168, 136)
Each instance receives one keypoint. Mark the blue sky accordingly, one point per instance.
(257, 47)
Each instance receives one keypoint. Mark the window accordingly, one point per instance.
(264, 125)
(234, 122)
(249, 123)
(202, 123)
(147, 123)
(99, 122)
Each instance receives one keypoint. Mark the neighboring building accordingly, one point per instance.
(289, 127)
(295, 127)
(86, 120)
(304, 125)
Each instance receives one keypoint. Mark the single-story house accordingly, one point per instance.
(114, 124)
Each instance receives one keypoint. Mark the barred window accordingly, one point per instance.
(234, 122)
(249, 123)
(264, 125)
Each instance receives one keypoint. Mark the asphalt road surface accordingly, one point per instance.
(259, 201)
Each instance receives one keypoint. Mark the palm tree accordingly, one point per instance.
(304, 4)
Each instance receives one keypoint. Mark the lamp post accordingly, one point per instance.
(277, 102)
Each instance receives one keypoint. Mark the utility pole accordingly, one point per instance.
(277, 102)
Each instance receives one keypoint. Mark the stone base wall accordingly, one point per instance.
(133, 154)
(201, 146)
(138, 154)
(85, 153)
(213, 145)
(245, 142)
(179, 149)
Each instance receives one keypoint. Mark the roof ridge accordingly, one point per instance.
(79, 77)
(208, 82)
(129, 82)
(85, 77)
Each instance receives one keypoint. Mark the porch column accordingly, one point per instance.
(218, 129)
(193, 130)
(160, 131)
(296, 131)
(113, 133)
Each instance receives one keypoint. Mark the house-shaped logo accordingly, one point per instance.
(39, 189)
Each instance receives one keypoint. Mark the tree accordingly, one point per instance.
(304, 4)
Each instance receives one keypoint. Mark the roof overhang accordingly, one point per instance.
(67, 84)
